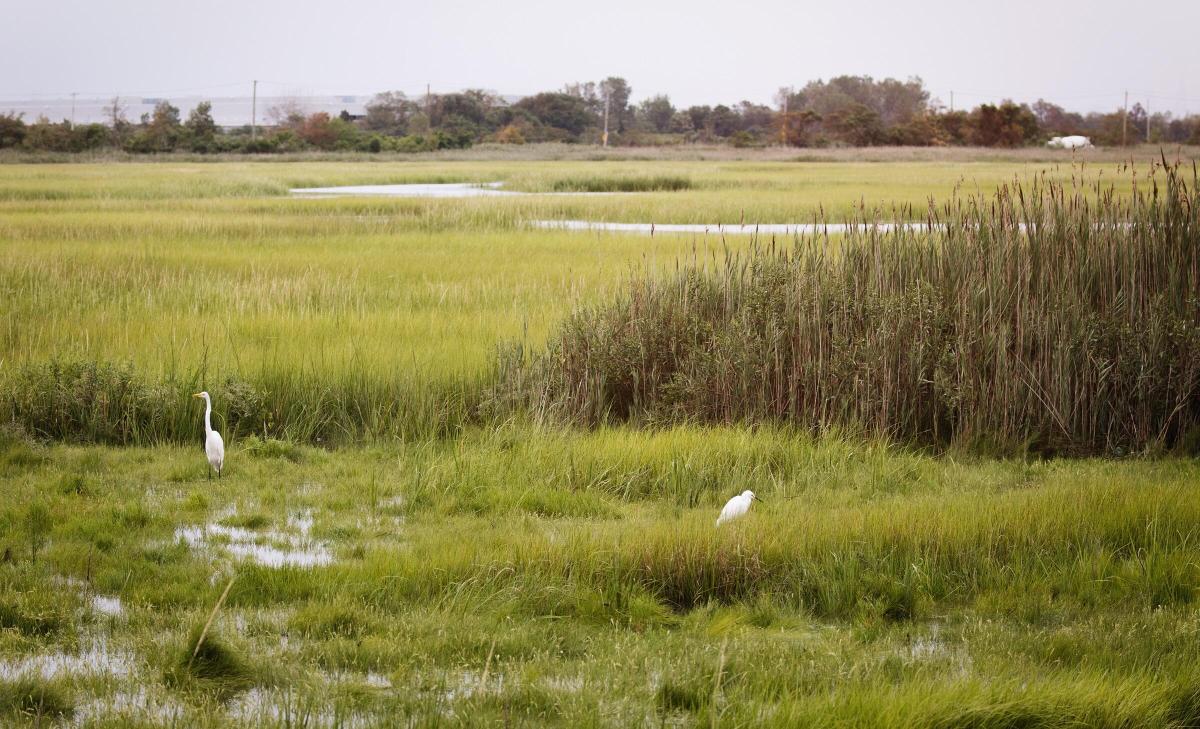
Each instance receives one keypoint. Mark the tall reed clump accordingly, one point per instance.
(1052, 317)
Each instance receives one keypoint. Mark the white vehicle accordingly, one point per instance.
(1072, 142)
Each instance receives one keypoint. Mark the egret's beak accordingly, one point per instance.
(196, 395)
(759, 498)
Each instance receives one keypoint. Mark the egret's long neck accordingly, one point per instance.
(207, 416)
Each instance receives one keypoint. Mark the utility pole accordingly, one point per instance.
(428, 99)
(73, 95)
(951, 101)
(783, 130)
(1147, 121)
(604, 138)
(254, 112)
(1124, 118)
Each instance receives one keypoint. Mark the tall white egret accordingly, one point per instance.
(214, 447)
(736, 507)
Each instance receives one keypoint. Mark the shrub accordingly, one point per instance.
(12, 130)
(510, 134)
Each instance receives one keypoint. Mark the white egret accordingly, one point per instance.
(736, 507)
(214, 447)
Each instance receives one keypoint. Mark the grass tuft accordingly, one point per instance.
(212, 666)
(34, 700)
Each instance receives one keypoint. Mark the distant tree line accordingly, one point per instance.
(853, 111)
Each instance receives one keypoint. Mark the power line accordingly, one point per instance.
(105, 94)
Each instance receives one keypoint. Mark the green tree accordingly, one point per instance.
(559, 110)
(797, 127)
(318, 130)
(616, 91)
(955, 126)
(471, 107)
(755, 118)
(589, 91)
(120, 126)
(44, 135)
(1006, 125)
(723, 121)
(389, 113)
(681, 123)
(163, 129)
(201, 128)
(12, 130)
(1055, 120)
(657, 113)
(856, 124)
(700, 116)
(860, 108)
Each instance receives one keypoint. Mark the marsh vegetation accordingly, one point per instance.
(473, 467)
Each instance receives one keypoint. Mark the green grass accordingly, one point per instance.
(871, 586)
(334, 318)
(483, 568)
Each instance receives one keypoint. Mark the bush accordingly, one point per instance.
(510, 134)
(12, 130)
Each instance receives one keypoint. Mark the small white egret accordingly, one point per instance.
(214, 447)
(736, 507)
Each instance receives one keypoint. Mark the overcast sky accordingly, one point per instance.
(1080, 54)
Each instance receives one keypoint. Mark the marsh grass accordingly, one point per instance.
(34, 700)
(659, 183)
(336, 321)
(1047, 317)
(873, 585)
(211, 666)
(489, 566)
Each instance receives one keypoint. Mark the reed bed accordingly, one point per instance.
(1048, 316)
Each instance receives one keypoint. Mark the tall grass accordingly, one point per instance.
(1053, 316)
(98, 402)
